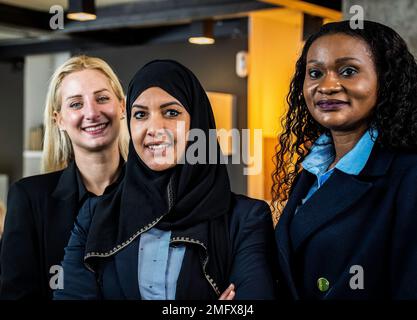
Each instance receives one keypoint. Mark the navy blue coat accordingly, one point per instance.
(40, 215)
(367, 221)
(254, 258)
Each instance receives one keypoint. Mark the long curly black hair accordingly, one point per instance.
(394, 116)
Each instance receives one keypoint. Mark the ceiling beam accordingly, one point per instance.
(26, 18)
(330, 4)
(142, 22)
(309, 8)
(78, 42)
(157, 13)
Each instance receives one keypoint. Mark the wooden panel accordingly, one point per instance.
(223, 105)
(269, 152)
(271, 68)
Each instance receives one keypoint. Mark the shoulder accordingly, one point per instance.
(246, 210)
(392, 165)
(37, 185)
(403, 169)
(28, 196)
(242, 203)
(405, 160)
(250, 223)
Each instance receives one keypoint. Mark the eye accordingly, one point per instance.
(103, 99)
(172, 113)
(139, 115)
(349, 71)
(314, 73)
(75, 105)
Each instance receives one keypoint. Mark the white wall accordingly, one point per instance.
(38, 70)
(4, 183)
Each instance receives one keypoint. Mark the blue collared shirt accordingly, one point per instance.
(159, 265)
(322, 155)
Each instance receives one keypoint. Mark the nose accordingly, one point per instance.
(329, 84)
(91, 110)
(155, 126)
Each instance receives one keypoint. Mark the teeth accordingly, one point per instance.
(158, 146)
(99, 127)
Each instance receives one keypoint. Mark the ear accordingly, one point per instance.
(58, 120)
(123, 105)
(123, 108)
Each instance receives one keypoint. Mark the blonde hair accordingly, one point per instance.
(2, 216)
(57, 150)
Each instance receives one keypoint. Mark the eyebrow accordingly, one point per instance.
(164, 105)
(343, 59)
(79, 95)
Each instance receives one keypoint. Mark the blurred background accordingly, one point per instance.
(243, 52)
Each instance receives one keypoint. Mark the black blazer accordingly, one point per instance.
(253, 250)
(369, 220)
(40, 216)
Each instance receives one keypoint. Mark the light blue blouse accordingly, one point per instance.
(322, 155)
(159, 265)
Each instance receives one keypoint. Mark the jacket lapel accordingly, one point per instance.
(61, 211)
(282, 236)
(58, 225)
(126, 262)
(339, 193)
(67, 185)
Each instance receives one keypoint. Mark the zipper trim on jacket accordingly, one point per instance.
(211, 281)
(119, 247)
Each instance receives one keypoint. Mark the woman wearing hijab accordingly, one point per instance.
(172, 229)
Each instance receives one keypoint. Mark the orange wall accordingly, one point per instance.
(274, 45)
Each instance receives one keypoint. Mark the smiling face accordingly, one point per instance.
(340, 85)
(90, 111)
(159, 124)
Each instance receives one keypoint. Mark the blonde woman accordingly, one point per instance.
(84, 147)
